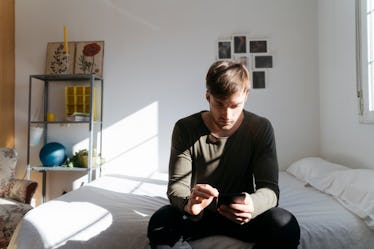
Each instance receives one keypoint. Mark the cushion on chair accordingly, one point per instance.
(22, 190)
(4, 187)
(8, 161)
(11, 212)
(11, 187)
(17, 189)
(15, 195)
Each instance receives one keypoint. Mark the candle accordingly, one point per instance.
(50, 116)
(66, 41)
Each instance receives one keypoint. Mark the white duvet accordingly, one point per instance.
(113, 212)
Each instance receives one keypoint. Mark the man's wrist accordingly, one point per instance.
(263, 199)
(188, 212)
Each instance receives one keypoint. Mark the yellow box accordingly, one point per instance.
(77, 99)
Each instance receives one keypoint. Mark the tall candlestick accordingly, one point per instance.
(66, 41)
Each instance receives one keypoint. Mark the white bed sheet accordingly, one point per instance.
(324, 222)
(113, 212)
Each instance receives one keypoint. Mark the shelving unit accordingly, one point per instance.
(93, 100)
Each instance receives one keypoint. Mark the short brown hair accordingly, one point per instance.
(227, 77)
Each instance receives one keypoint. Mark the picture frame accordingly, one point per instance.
(224, 49)
(243, 59)
(258, 45)
(263, 61)
(57, 61)
(258, 80)
(240, 43)
(89, 57)
(252, 52)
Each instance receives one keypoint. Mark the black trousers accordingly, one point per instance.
(275, 228)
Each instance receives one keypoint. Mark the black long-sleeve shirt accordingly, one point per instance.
(244, 162)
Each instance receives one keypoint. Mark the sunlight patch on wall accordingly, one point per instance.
(130, 146)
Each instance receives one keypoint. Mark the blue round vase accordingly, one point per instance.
(52, 154)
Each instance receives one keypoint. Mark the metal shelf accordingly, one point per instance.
(66, 77)
(57, 168)
(94, 125)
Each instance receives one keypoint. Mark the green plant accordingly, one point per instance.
(77, 160)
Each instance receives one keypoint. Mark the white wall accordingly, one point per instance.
(156, 56)
(343, 139)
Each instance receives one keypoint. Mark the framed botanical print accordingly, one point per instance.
(89, 58)
(58, 62)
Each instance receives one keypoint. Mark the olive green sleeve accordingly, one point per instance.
(263, 199)
(180, 169)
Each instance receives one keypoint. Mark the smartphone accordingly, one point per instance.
(227, 199)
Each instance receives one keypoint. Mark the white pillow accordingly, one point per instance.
(328, 183)
(310, 167)
(353, 188)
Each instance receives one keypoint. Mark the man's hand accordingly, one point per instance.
(239, 211)
(201, 196)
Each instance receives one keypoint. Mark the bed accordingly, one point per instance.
(113, 211)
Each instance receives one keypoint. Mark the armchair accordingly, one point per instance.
(15, 195)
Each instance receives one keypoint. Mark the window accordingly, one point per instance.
(365, 58)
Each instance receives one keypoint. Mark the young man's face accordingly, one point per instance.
(225, 112)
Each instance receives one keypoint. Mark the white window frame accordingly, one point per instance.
(365, 59)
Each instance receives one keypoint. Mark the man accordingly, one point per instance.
(226, 150)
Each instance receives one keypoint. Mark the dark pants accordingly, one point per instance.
(275, 228)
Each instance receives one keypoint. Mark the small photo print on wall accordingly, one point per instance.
(258, 46)
(258, 79)
(89, 58)
(263, 61)
(243, 59)
(224, 49)
(240, 44)
(58, 61)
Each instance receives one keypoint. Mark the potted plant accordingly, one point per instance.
(79, 159)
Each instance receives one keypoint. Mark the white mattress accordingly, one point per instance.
(113, 212)
(324, 222)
